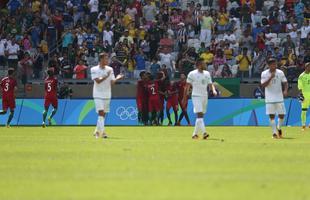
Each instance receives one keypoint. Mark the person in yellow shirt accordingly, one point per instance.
(132, 31)
(100, 24)
(127, 20)
(141, 33)
(207, 56)
(223, 19)
(36, 6)
(244, 61)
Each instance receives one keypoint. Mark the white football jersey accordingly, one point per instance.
(102, 90)
(273, 91)
(200, 82)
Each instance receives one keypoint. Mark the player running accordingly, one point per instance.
(181, 87)
(50, 96)
(304, 96)
(141, 98)
(200, 80)
(172, 101)
(8, 87)
(272, 80)
(103, 77)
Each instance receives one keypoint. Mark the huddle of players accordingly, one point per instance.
(9, 87)
(152, 92)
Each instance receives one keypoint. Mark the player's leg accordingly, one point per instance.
(281, 114)
(175, 110)
(11, 115)
(168, 106)
(304, 106)
(198, 109)
(3, 112)
(54, 111)
(271, 112)
(45, 111)
(100, 121)
(105, 111)
(5, 106)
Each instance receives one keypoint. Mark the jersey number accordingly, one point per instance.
(153, 90)
(6, 88)
(49, 87)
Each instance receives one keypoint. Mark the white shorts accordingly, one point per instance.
(200, 104)
(275, 108)
(102, 104)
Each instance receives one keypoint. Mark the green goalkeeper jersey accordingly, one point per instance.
(304, 83)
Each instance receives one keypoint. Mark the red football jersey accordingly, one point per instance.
(8, 85)
(141, 92)
(172, 88)
(50, 87)
(152, 89)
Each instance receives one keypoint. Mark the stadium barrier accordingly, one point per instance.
(123, 112)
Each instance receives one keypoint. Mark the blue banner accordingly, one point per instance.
(221, 112)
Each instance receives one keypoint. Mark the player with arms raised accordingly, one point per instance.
(8, 87)
(272, 80)
(304, 95)
(103, 77)
(50, 96)
(200, 80)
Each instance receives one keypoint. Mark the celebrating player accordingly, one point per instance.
(200, 80)
(50, 97)
(141, 99)
(8, 86)
(272, 80)
(181, 87)
(172, 101)
(103, 77)
(304, 96)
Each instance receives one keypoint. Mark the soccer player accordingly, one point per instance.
(272, 80)
(141, 99)
(8, 86)
(172, 101)
(304, 96)
(152, 87)
(181, 87)
(200, 80)
(50, 96)
(103, 77)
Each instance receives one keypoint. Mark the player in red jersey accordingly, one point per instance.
(142, 99)
(8, 87)
(172, 101)
(181, 87)
(152, 87)
(50, 96)
(161, 78)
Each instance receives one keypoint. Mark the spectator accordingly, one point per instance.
(299, 12)
(139, 59)
(226, 72)
(207, 27)
(13, 51)
(80, 70)
(244, 61)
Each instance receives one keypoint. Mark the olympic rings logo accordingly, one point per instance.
(125, 113)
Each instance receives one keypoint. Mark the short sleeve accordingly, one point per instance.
(94, 74)
(299, 83)
(190, 78)
(283, 78)
(112, 75)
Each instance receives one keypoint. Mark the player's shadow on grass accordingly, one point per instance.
(216, 139)
(287, 138)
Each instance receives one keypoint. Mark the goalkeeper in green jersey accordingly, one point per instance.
(304, 96)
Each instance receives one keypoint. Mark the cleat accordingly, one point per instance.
(96, 134)
(275, 136)
(195, 137)
(169, 124)
(205, 136)
(104, 136)
(177, 124)
(43, 125)
(8, 126)
(303, 128)
(280, 133)
(189, 124)
(49, 121)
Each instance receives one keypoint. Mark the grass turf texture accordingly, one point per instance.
(153, 163)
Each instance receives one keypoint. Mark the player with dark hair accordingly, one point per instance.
(50, 96)
(181, 87)
(8, 87)
(172, 101)
(141, 99)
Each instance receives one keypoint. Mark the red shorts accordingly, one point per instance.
(8, 102)
(154, 105)
(49, 101)
(172, 102)
(141, 104)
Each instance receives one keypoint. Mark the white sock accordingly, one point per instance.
(273, 126)
(100, 124)
(202, 126)
(280, 123)
(196, 130)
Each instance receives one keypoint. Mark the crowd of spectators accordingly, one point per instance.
(234, 37)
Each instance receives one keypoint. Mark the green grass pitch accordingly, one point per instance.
(153, 163)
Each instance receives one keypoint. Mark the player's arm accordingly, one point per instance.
(265, 82)
(118, 77)
(103, 78)
(186, 91)
(212, 87)
(285, 91)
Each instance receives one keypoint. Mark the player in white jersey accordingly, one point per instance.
(272, 80)
(200, 80)
(103, 77)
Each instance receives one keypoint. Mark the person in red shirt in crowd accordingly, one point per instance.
(80, 70)
(172, 101)
(50, 97)
(142, 99)
(181, 87)
(152, 87)
(8, 87)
